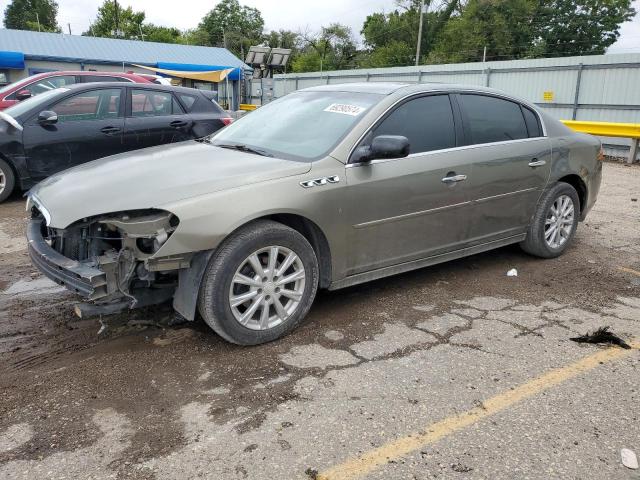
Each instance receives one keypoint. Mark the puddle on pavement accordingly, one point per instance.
(39, 286)
(9, 243)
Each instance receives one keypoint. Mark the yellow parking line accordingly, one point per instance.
(629, 270)
(365, 463)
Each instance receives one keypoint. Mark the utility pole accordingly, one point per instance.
(224, 37)
(69, 25)
(117, 22)
(38, 20)
(419, 33)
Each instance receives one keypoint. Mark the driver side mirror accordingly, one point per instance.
(23, 95)
(382, 147)
(47, 117)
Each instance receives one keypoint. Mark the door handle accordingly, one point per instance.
(178, 124)
(454, 178)
(537, 163)
(110, 130)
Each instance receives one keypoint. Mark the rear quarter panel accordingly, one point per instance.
(575, 154)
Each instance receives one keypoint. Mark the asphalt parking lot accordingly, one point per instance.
(454, 371)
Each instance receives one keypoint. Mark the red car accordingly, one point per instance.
(43, 82)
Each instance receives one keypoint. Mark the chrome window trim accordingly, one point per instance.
(444, 150)
(447, 92)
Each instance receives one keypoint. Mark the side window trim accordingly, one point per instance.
(366, 137)
(537, 118)
(458, 120)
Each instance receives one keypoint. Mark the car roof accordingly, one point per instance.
(387, 88)
(383, 88)
(147, 86)
(80, 72)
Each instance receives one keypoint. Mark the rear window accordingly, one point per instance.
(207, 104)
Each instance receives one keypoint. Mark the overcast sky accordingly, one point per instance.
(278, 14)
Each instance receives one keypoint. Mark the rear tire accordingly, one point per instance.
(262, 263)
(7, 180)
(555, 222)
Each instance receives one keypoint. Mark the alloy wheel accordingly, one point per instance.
(559, 222)
(3, 181)
(267, 288)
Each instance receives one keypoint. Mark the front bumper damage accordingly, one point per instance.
(84, 279)
(109, 260)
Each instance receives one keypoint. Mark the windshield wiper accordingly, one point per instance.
(242, 148)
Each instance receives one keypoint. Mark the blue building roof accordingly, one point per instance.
(76, 48)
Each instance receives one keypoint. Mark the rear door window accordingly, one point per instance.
(491, 119)
(426, 121)
(149, 103)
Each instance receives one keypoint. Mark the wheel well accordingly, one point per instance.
(314, 236)
(576, 182)
(11, 166)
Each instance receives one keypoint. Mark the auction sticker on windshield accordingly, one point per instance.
(345, 109)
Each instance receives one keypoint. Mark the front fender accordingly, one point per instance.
(206, 220)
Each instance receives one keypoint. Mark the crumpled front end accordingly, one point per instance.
(109, 259)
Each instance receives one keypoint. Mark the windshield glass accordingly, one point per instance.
(300, 126)
(24, 106)
(6, 88)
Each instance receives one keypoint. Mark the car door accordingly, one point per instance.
(414, 207)
(89, 126)
(155, 117)
(511, 168)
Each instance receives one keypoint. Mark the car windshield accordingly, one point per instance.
(10, 86)
(25, 81)
(24, 106)
(300, 126)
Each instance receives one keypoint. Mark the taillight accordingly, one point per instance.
(227, 120)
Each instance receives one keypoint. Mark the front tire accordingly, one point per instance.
(7, 180)
(555, 222)
(260, 284)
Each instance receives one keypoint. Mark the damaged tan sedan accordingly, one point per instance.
(325, 188)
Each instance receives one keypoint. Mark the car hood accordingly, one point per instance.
(153, 176)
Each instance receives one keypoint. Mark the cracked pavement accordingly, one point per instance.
(371, 365)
